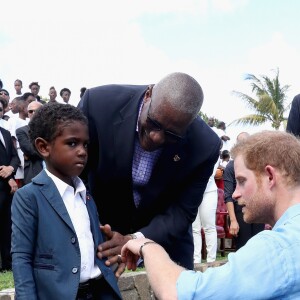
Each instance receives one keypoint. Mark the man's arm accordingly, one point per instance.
(162, 272)
(229, 187)
(25, 143)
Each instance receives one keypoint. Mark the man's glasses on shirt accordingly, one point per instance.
(153, 125)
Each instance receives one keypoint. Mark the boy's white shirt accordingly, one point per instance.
(75, 203)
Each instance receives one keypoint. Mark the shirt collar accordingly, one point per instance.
(62, 186)
(140, 110)
(290, 213)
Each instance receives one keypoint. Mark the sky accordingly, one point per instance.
(74, 44)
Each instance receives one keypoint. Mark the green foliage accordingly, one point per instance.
(269, 104)
(6, 280)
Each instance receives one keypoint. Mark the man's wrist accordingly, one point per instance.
(136, 235)
(133, 236)
(142, 246)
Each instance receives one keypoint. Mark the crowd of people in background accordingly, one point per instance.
(17, 107)
(147, 143)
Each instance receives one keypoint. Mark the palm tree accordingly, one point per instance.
(270, 102)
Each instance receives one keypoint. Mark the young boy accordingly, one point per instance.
(55, 231)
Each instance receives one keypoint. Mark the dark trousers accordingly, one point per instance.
(247, 231)
(5, 229)
(96, 289)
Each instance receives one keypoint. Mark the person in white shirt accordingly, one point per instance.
(206, 218)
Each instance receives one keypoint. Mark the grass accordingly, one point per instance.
(7, 281)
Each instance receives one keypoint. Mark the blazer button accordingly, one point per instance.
(73, 240)
(74, 270)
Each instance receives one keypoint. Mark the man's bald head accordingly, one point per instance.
(242, 136)
(181, 91)
(32, 107)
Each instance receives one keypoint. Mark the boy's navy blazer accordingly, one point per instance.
(45, 249)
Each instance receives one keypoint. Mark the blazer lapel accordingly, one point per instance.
(7, 141)
(124, 134)
(51, 194)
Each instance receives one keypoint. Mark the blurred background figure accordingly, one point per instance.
(52, 94)
(33, 162)
(293, 123)
(29, 97)
(18, 85)
(3, 122)
(9, 162)
(225, 157)
(13, 109)
(65, 93)
(13, 124)
(206, 219)
(241, 230)
(82, 91)
(4, 95)
(223, 136)
(35, 88)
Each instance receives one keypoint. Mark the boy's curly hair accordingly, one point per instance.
(50, 119)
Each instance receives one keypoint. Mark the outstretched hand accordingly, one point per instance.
(111, 248)
(131, 252)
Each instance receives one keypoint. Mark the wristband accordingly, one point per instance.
(141, 248)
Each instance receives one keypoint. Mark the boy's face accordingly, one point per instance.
(67, 154)
(18, 86)
(66, 96)
(52, 94)
(35, 89)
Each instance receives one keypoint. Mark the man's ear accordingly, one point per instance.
(148, 93)
(42, 147)
(270, 172)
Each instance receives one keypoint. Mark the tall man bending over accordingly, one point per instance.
(150, 158)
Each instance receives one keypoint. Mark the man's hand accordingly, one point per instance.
(112, 248)
(13, 185)
(234, 228)
(6, 171)
(131, 252)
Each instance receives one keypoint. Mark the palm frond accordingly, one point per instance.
(250, 120)
(270, 102)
